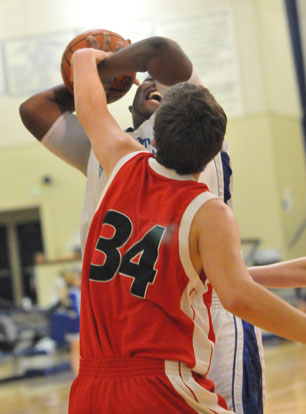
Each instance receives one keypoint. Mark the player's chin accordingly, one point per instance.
(151, 106)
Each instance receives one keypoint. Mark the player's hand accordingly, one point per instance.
(92, 41)
(107, 81)
(106, 43)
(101, 55)
(106, 78)
(89, 53)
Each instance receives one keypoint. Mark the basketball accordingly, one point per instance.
(121, 84)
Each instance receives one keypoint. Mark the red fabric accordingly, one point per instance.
(116, 322)
(125, 386)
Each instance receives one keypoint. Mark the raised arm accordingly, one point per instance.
(48, 116)
(161, 57)
(108, 141)
(219, 248)
(40, 111)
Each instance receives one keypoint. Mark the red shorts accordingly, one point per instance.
(141, 386)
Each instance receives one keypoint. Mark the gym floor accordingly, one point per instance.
(285, 386)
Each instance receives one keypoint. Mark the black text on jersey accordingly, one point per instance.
(146, 249)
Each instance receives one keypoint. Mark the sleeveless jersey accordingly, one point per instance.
(141, 295)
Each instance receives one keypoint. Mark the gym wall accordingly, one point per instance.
(264, 132)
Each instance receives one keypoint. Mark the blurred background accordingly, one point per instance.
(251, 55)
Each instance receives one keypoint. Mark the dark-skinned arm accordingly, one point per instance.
(163, 58)
(40, 111)
(66, 139)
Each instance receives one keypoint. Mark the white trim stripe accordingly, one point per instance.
(168, 173)
(192, 303)
(184, 230)
(197, 397)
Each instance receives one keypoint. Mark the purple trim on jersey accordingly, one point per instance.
(227, 173)
(234, 364)
(252, 398)
(100, 170)
(298, 54)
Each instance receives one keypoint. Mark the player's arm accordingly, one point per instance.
(40, 111)
(48, 116)
(108, 141)
(219, 247)
(288, 274)
(161, 57)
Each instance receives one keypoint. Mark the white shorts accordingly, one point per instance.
(237, 367)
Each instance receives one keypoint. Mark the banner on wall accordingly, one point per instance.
(208, 38)
(33, 63)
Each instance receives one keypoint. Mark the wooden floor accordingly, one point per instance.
(285, 386)
(285, 379)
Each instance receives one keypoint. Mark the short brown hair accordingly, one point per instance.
(189, 128)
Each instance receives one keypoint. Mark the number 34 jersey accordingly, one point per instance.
(141, 295)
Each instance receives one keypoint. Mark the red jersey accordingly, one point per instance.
(141, 295)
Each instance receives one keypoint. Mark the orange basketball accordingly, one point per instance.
(120, 85)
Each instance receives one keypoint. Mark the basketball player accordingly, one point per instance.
(146, 331)
(48, 116)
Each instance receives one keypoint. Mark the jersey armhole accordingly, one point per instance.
(184, 231)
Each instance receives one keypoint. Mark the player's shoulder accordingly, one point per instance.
(214, 213)
(215, 224)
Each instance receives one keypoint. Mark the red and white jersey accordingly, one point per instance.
(141, 295)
